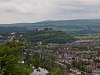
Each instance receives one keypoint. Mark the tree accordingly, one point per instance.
(10, 59)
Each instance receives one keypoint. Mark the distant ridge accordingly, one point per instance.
(80, 26)
(92, 20)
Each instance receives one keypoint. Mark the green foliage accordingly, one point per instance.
(42, 62)
(83, 48)
(49, 36)
(57, 71)
(10, 59)
(97, 61)
(79, 65)
(51, 66)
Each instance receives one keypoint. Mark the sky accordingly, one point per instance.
(23, 11)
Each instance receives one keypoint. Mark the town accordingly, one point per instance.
(78, 57)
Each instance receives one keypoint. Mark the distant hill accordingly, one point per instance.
(47, 36)
(12, 29)
(89, 26)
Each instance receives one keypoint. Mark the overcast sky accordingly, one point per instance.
(16, 11)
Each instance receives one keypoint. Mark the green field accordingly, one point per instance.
(88, 37)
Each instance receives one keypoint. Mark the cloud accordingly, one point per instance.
(12, 11)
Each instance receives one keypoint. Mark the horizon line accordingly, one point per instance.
(43, 21)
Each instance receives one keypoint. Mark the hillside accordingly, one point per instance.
(49, 36)
(91, 26)
(12, 29)
(73, 26)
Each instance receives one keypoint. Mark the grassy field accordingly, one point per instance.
(87, 37)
